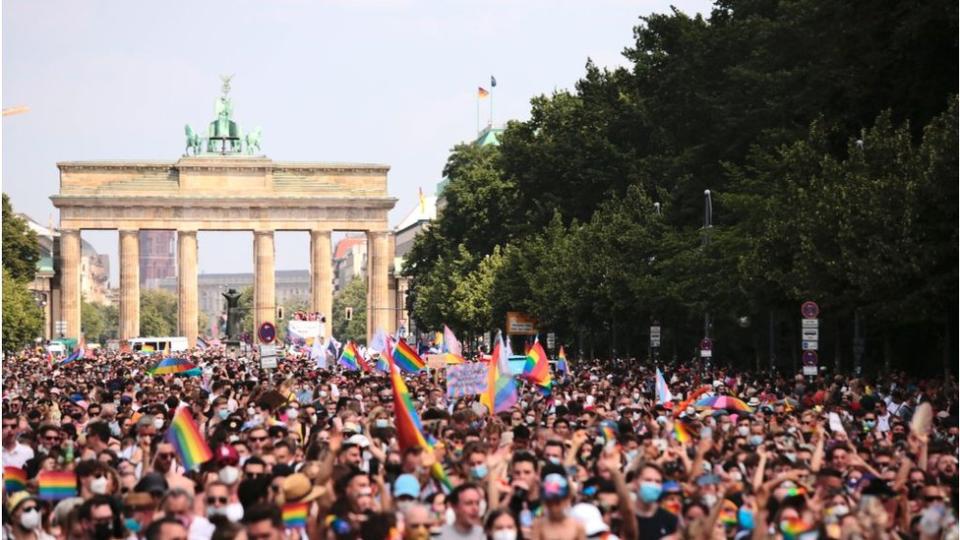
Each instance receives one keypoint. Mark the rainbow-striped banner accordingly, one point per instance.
(187, 440)
(56, 485)
(295, 515)
(537, 368)
(14, 479)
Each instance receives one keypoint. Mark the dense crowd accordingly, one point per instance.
(599, 457)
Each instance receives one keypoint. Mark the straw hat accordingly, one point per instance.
(298, 488)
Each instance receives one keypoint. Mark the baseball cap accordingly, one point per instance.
(406, 485)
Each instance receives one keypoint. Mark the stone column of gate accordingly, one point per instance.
(188, 304)
(378, 268)
(129, 284)
(321, 277)
(70, 281)
(264, 289)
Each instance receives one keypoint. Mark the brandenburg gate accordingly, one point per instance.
(220, 184)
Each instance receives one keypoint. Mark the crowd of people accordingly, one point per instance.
(300, 452)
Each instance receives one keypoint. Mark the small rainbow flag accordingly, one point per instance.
(351, 359)
(795, 491)
(14, 479)
(187, 440)
(793, 528)
(681, 432)
(148, 348)
(407, 359)
(295, 515)
(56, 485)
(562, 366)
(728, 513)
(537, 368)
(609, 430)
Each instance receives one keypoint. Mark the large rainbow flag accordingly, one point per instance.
(501, 394)
(187, 440)
(409, 428)
(407, 359)
(537, 368)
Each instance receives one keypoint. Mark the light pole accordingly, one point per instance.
(707, 225)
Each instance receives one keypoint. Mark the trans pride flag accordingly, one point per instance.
(501, 394)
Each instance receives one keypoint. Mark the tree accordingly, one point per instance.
(99, 322)
(22, 318)
(353, 295)
(158, 313)
(21, 251)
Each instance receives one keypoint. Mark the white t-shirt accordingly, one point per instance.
(18, 457)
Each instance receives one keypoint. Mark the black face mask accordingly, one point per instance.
(103, 531)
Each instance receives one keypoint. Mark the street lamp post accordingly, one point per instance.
(707, 225)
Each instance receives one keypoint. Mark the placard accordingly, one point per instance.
(466, 380)
(435, 361)
(520, 324)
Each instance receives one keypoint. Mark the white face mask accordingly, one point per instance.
(98, 486)
(229, 475)
(235, 512)
(293, 413)
(504, 534)
(30, 520)
(158, 423)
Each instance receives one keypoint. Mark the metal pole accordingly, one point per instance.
(707, 225)
(772, 343)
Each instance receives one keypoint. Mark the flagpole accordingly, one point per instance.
(478, 113)
(491, 107)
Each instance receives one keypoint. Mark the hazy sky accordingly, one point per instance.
(384, 81)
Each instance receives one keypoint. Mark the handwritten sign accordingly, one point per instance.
(466, 380)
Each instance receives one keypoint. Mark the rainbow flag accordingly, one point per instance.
(681, 432)
(187, 440)
(663, 393)
(501, 393)
(14, 479)
(609, 430)
(351, 359)
(56, 485)
(295, 515)
(562, 366)
(407, 359)
(728, 513)
(537, 368)
(148, 348)
(410, 433)
(452, 359)
(793, 528)
(77, 354)
(171, 366)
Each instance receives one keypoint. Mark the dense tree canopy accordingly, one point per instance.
(354, 296)
(827, 135)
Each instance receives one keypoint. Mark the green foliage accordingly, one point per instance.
(828, 136)
(99, 322)
(20, 248)
(22, 318)
(158, 313)
(353, 295)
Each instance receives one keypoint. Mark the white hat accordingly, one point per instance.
(589, 515)
(359, 440)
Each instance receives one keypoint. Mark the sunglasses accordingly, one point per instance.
(165, 455)
(257, 439)
(215, 500)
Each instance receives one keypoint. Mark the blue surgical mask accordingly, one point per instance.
(756, 440)
(132, 525)
(223, 413)
(479, 472)
(650, 491)
(869, 424)
(745, 518)
(381, 423)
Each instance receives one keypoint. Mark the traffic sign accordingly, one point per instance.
(706, 344)
(810, 371)
(809, 310)
(655, 336)
(810, 334)
(706, 353)
(268, 356)
(551, 340)
(809, 358)
(267, 332)
(809, 345)
(810, 323)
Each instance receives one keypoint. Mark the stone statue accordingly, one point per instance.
(252, 141)
(193, 141)
(233, 314)
(226, 84)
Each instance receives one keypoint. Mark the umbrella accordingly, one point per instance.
(171, 366)
(193, 372)
(728, 403)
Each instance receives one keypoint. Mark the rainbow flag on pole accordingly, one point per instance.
(562, 366)
(537, 368)
(501, 393)
(187, 440)
(351, 359)
(14, 479)
(295, 515)
(407, 359)
(409, 428)
(56, 485)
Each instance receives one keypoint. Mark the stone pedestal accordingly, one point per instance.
(187, 287)
(264, 289)
(321, 277)
(129, 284)
(379, 258)
(70, 281)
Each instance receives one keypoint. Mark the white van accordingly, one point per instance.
(151, 345)
(57, 348)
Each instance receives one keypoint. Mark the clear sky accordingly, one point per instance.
(384, 81)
